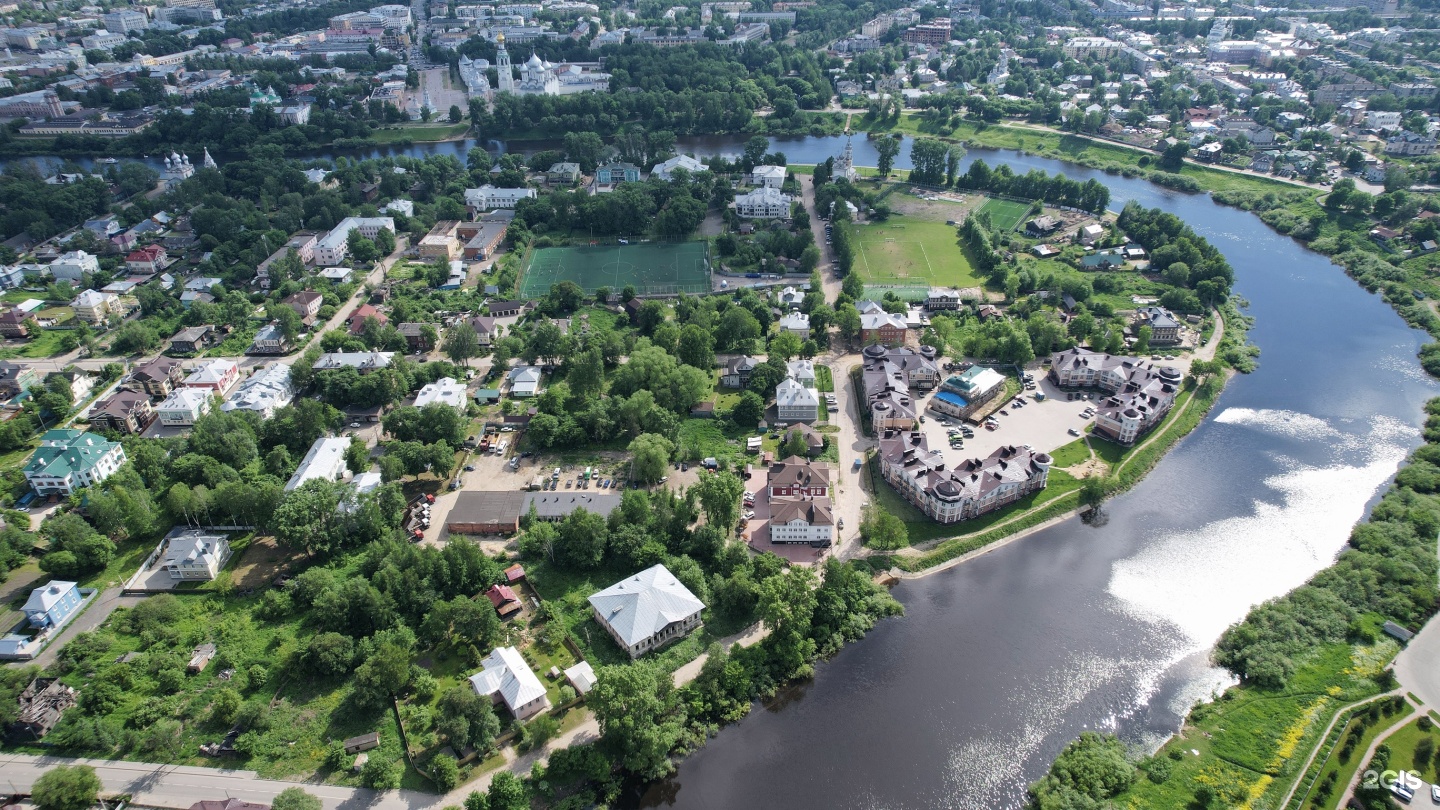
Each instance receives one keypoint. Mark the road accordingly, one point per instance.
(1417, 668)
(182, 786)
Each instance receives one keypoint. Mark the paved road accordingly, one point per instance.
(1417, 668)
(182, 786)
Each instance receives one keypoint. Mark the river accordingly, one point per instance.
(1000, 662)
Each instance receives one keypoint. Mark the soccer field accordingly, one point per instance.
(904, 252)
(1005, 214)
(652, 268)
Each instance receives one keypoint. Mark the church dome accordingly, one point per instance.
(534, 61)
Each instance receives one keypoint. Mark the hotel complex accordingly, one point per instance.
(1141, 393)
(976, 486)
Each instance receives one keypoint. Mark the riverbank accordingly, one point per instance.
(1303, 657)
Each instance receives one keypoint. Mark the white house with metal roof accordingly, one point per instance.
(647, 611)
(446, 391)
(796, 403)
(193, 554)
(506, 678)
(326, 460)
(184, 406)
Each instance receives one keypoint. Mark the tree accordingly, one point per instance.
(697, 347)
(66, 787)
(639, 716)
(749, 410)
(887, 149)
(581, 541)
(649, 456)
(444, 771)
(378, 773)
(1090, 769)
(294, 799)
(737, 330)
(455, 114)
(384, 242)
(135, 337)
(720, 498)
(881, 530)
(507, 792)
(1142, 340)
(461, 343)
(308, 517)
(361, 249)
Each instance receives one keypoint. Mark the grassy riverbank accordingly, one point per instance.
(1303, 656)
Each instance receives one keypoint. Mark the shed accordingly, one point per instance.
(582, 677)
(200, 658)
(515, 573)
(364, 742)
(1397, 632)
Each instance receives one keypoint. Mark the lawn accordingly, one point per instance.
(1402, 750)
(905, 250)
(44, 344)
(1005, 215)
(301, 714)
(824, 379)
(1071, 454)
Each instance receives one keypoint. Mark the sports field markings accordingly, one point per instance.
(924, 254)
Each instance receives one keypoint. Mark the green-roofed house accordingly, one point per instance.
(69, 459)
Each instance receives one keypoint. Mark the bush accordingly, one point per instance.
(444, 772)
(377, 774)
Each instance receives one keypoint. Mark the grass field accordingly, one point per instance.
(908, 251)
(651, 268)
(1005, 215)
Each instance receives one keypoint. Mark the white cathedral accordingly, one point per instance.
(537, 77)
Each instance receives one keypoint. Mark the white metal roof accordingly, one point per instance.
(640, 606)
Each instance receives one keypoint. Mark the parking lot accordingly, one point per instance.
(1044, 425)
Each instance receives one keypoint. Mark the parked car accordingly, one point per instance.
(1073, 432)
(469, 468)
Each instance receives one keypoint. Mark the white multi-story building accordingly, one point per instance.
(768, 177)
(970, 489)
(184, 406)
(1140, 393)
(664, 171)
(334, 247)
(74, 265)
(647, 611)
(264, 392)
(1082, 48)
(326, 460)
(1382, 119)
(796, 403)
(763, 203)
(445, 391)
(68, 459)
(488, 197)
(125, 21)
(807, 520)
(193, 554)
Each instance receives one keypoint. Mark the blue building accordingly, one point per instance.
(615, 173)
(51, 605)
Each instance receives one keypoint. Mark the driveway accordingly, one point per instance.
(1417, 668)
